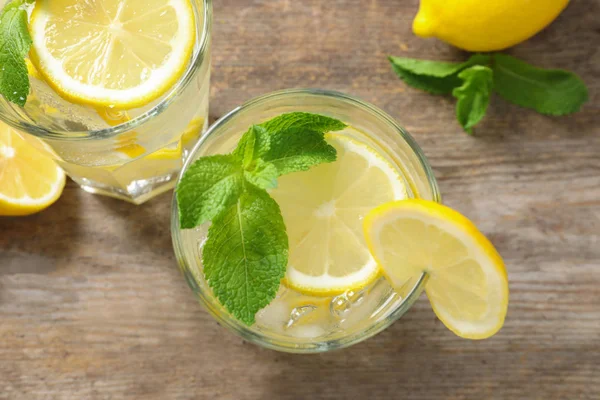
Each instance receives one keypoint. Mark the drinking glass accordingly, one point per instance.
(130, 154)
(335, 321)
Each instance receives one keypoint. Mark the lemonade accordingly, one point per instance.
(118, 90)
(332, 294)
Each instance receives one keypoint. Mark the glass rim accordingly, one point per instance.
(168, 98)
(288, 345)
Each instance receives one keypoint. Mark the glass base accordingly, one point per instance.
(137, 192)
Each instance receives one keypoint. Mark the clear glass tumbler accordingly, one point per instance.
(293, 321)
(130, 154)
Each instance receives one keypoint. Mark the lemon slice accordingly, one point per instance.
(118, 53)
(467, 285)
(29, 181)
(323, 210)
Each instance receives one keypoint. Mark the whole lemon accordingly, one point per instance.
(485, 25)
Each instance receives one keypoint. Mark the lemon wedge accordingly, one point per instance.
(117, 53)
(467, 282)
(29, 181)
(323, 210)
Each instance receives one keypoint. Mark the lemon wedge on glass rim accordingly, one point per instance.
(323, 210)
(29, 180)
(467, 284)
(117, 53)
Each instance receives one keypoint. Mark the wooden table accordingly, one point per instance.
(92, 305)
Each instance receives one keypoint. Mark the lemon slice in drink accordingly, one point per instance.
(121, 53)
(29, 181)
(323, 210)
(467, 285)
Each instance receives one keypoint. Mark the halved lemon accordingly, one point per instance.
(118, 53)
(29, 181)
(323, 210)
(467, 282)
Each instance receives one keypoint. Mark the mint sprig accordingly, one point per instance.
(15, 42)
(246, 251)
(473, 95)
(548, 91)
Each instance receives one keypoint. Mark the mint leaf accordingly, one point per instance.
(473, 95)
(427, 83)
(548, 91)
(246, 254)
(249, 144)
(263, 174)
(257, 140)
(297, 149)
(209, 186)
(439, 69)
(436, 77)
(252, 144)
(246, 251)
(308, 121)
(15, 42)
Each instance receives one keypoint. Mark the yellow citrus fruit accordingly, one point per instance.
(467, 283)
(489, 25)
(29, 180)
(118, 53)
(323, 209)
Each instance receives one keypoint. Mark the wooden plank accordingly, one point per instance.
(92, 305)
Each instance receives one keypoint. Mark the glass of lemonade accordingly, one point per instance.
(298, 320)
(118, 90)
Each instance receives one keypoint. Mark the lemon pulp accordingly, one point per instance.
(29, 181)
(122, 53)
(467, 285)
(322, 209)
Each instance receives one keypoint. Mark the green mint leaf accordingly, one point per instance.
(314, 122)
(246, 254)
(438, 69)
(252, 144)
(297, 149)
(291, 142)
(209, 186)
(548, 91)
(256, 141)
(473, 95)
(249, 144)
(428, 84)
(436, 77)
(263, 174)
(15, 42)
(246, 251)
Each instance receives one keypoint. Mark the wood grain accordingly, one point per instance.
(92, 305)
